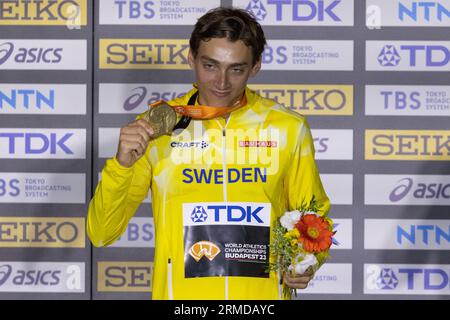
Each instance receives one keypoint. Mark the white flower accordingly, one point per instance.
(303, 262)
(289, 219)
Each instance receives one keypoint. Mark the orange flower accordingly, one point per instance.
(315, 234)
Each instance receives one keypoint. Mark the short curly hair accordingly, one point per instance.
(231, 23)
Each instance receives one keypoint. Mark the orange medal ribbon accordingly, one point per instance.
(201, 112)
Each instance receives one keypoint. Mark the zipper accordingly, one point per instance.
(225, 182)
(169, 279)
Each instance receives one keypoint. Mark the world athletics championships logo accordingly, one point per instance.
(199, 214)
(6, 49)
(387, 279)
(257, 8)
(389, 56)
(401, 190)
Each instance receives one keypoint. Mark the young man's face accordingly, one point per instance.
(222, 69)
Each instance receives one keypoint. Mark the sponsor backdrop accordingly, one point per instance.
(371, 77)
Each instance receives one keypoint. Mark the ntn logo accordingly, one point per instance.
(418, 9)
(423, 233)
(27, 98)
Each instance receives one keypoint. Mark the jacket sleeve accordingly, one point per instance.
(303, 180)
(117, 197)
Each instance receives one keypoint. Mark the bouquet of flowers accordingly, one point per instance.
(301, 242)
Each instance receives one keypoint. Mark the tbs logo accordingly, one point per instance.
(414, 55)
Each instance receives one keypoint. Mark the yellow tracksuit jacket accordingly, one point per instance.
(217, 189)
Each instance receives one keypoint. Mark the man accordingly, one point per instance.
(219, 185)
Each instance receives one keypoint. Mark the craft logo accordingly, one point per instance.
(405, 234)
(339, 187)
(144, 54)
(406, 279)
(42, 143)
(165, 12)
(308, 55)
(408, 56)
(334, 278)
(140, 233)
(124, 276)
(407, 190)
(204, 249)
(135, 97)
(408, 100)
(333, 100)
(300, 12)
(33, 232)
(42, 277)
(416, 145)
(333, 144)
(408, 13)
(44, 12)
(38, 54)
(42, 99)
(230, 213)
(190, 144)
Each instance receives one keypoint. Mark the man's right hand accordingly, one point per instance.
(133, 141)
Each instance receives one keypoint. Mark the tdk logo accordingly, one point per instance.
(389, 57)
(418, 10)
(256, 7)
(421, 191)
(38, 143)
(233, 213)
(199, 214)
(407, 279)
(301, 10)
(29, 55)
(236, 213)
(43, 143)
(428, 55)
(387, 279)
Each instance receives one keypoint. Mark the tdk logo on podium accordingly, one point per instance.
(406, 279)
(233, 213)
(408, 55)
(389, 57)
(300, 12)
(43, 143)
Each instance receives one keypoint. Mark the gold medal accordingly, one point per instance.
(162, 118)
